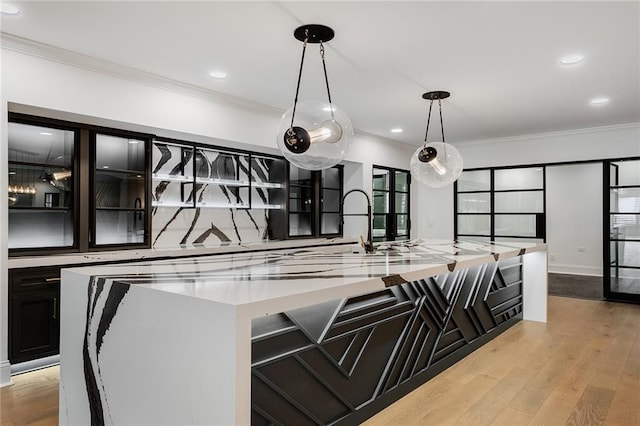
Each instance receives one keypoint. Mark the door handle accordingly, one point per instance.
(51, 280)
(55, 308)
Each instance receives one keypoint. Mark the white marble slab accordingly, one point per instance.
(169, 341)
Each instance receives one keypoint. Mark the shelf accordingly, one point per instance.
(267, 206)
(227, 182)
(171, 204)
(121, 171)
(266, 185)
(173, 178)
(222, 205)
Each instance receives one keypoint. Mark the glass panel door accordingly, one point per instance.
(391, 204)
(622, 230)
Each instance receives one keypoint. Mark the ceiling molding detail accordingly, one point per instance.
(547, 135)
(90, 63)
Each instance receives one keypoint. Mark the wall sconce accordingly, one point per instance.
(314, 135)
(436, 164)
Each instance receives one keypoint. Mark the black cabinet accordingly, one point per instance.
(34, 308)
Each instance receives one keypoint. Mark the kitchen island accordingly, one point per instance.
(320, 335)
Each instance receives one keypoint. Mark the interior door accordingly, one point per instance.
(622, 230)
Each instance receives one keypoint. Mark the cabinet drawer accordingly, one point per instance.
(30, 279)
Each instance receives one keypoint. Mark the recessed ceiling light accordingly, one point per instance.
(329, 108)
(599, 101)
(7, 9)
(218, 75)
(396, 130)
(133, 141)
(46, 133)
(572, 59)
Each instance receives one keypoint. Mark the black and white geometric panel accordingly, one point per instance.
(185, 213)
(335, 362)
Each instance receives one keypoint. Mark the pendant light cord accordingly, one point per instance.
(441, 125)
(326, 78)
(428, 120)
(295, 101)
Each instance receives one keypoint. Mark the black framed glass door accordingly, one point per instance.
(621, 228)
(391, 204)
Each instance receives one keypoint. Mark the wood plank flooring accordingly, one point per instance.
(581, 368)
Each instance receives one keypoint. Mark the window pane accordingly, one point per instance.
(330, 200)
(475, 180)
(627, 253)
(402, 203)
(474, 203)
(119, 227)
(300, 199)
(330, 223)
(118, 153)
(331, 178)
(379, 226)
(299, 176)
(380, 179)
(28, 186)
(519, 225)
(42, 145)
(402, 222)
(38, 228)
(474, 224)
(628, 172)
(116, 189)
(380, 202)
(519, 202)
(524, 178)
(625, 226)
(402, 181)
(625, 200)
(299, 224)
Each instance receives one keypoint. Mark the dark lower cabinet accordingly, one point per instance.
(34, 313)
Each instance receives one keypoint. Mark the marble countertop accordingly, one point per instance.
(272, 281)
(185, 251)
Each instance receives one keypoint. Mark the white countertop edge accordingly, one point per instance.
(134, 255)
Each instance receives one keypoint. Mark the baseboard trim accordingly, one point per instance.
(5, 374)
(575, 270)
(35, 364)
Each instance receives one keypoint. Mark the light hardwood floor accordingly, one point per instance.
(581, 368)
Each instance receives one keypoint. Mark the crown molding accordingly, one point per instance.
(90, 63)
(547, 135)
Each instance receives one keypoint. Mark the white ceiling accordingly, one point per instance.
(499, 60)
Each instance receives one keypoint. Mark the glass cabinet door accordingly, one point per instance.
(41, 181)
(119, 191)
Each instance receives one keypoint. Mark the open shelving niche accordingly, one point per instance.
(187, 176)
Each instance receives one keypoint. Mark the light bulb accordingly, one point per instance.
(65, 174)
(436, 164)
(320, 137)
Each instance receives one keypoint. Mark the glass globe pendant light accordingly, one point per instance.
(314, 135)
(436, 164)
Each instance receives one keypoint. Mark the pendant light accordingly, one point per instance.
(314, 135)
(436, 164)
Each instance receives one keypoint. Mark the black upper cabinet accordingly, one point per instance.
(74, 187)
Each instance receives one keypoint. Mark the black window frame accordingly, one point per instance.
(391, 217)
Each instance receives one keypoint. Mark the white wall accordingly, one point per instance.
(129, 100)
(574, 218)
